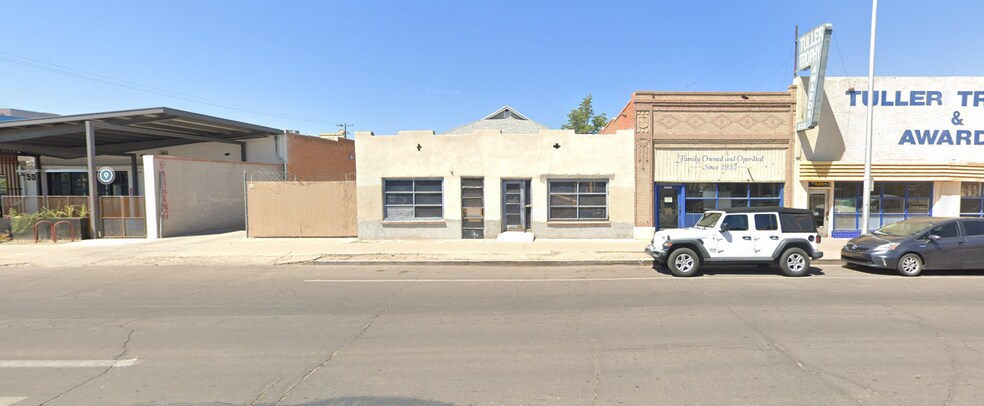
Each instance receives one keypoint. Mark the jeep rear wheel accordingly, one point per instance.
(794, 262)
(683, 262)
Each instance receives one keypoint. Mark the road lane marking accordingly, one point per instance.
(90, 363)
(669, 278)
(7, 401)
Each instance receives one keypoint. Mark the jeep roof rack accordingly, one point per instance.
(771, 209)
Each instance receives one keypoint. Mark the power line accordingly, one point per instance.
(104, 79)
(784, 64)
(736, 62)
(844, 65)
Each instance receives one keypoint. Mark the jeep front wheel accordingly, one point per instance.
(794, 262)
(683, 262)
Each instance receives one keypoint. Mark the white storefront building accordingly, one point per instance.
(927, 151)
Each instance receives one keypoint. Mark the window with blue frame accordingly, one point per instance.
(890, 202)
(710, 196)
(972, 199)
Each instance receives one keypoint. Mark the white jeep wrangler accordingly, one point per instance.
(756, 235)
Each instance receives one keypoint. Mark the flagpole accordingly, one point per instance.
(868, 181)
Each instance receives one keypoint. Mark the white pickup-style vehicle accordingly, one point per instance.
(757, 235)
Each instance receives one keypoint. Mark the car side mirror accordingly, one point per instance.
(724, 227)
(933, 237)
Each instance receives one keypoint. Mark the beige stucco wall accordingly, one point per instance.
(495, 157)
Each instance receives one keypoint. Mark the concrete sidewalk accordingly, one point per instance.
(234, 249)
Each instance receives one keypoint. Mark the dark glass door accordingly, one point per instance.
(668, 206)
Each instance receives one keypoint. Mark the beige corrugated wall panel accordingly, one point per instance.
(302, 209)
(719, 165)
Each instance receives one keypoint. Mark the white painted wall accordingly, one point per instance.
(186, 196)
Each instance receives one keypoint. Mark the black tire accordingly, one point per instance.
(910, 265)
(794, 262)
(683, 262)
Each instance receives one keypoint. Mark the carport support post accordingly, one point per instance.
(90, 161)
(135, 191)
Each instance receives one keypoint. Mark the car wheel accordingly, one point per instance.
(910, 265)
(683, 262)
(794, 262)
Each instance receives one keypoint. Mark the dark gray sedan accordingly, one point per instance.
(913, 245)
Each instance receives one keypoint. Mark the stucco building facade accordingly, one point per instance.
(489, 184)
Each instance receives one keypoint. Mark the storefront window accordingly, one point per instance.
(890, 202)
(701, 197)
(413, 199)
(972, 199)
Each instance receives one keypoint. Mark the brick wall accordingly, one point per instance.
(704, 119)
(320, 159)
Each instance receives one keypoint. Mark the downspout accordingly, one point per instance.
(281, 154)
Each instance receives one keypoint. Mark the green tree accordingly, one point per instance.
(582, 119)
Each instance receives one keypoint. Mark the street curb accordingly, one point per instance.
(465, 262)
(639, 262)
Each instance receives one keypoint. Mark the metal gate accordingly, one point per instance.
(123, 216)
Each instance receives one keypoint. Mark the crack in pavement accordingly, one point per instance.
(330, 357)
(126, 344)
(264, 392)
(818, 372)
(920, 324)
(596, 382)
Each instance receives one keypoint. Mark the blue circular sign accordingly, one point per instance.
(106, 175)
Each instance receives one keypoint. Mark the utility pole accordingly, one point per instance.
(796, 36)
(345, 127)
(868, 181)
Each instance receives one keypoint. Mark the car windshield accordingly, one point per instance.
(708, 220)
(905, 228)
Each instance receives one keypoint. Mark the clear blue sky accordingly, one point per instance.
(397, 65)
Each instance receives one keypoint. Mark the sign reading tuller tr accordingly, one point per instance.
(812, 55)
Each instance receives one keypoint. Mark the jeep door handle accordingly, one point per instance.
(773, 237)
(747, 237)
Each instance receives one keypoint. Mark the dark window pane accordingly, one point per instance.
(917, 206)
(699, 205)
(428, 198)
(845, 190)
(804, 223)
(399, 198)
(970, 189)
(592, 187)
(765, 203)
(428, 186)
(974, 228)
(972, 205)
(471, 192)
(948, 230)
(513, 198)
(592, 200)
(563, 187)
(846, 205)
(399, 185)
(706, 190)
(471, 202)
(766, 222)
(593, 213)
(893, 189)
(920, 189)
(736, 222)
(563, 213)
(428, 212)
(472, 224)
(875, 206)
(731, 203)
(726, 190)
(472, 182)
(563, 200)
(892, 206)
(765, 189)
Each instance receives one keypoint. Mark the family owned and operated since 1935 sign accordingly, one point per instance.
(950, 130)
(717, 165)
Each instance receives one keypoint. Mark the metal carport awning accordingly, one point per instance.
(120, 133)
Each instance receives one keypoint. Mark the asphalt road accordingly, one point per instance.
(314, 335)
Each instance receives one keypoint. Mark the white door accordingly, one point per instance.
(820, 207)
(767, 235)
(736, 240)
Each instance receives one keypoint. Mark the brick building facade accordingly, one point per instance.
(697, 151)
(320, 158)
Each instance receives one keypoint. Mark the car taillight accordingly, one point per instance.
(818, 238)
